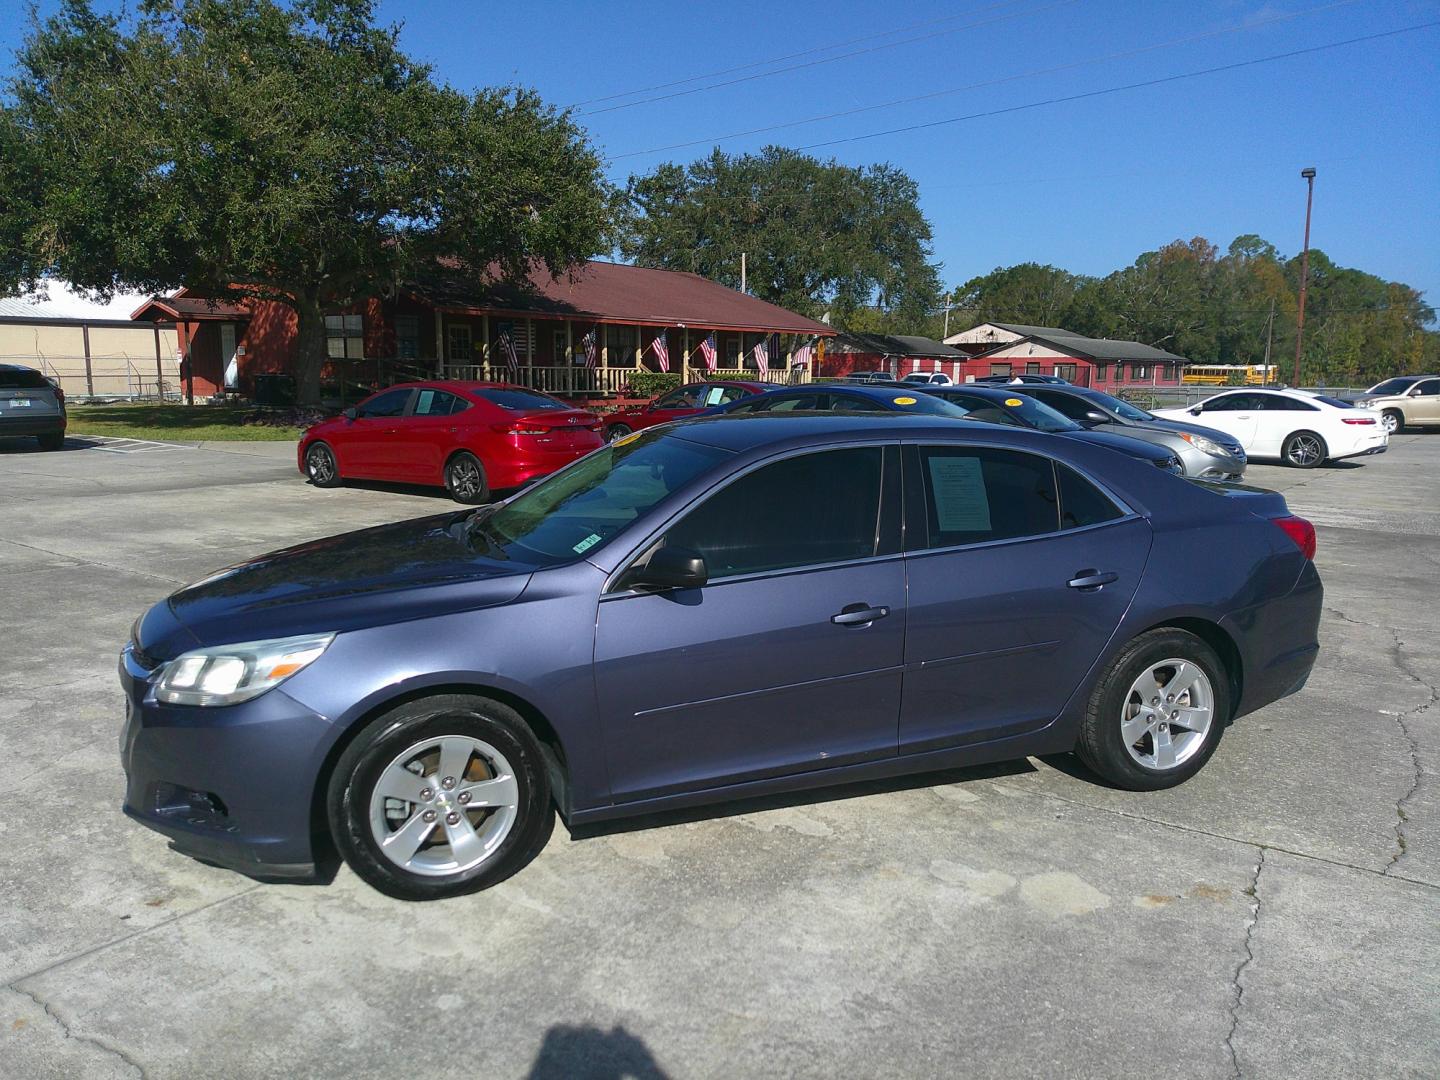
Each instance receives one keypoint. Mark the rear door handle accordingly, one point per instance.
(1092, 579)
(859, 615)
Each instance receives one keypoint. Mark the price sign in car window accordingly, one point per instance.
(957, 485)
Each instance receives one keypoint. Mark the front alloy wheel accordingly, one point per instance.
(320, 466)
(440, 796)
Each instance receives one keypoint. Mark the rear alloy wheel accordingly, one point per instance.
(1393, 420)
(52, 441)
(439, 797)
(1304, 450)
(616, 431)
(320, 466)
(1157, 713)
(465, 479)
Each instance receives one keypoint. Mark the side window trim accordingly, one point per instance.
(887, 492)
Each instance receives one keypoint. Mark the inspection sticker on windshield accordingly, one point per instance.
(904, 401)
(586, 544)
(1014, 402)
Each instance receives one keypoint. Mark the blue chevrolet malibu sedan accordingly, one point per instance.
(701, 612)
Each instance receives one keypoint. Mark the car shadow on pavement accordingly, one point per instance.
(586, 1052)
(788, 800)
(27, 445)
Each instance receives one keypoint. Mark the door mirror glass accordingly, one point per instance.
(1094, 416)
(671, 568)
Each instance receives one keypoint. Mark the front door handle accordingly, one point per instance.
(859, 615)
(1092, 579)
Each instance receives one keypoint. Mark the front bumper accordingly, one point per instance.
(232, 785)
(1221, 467)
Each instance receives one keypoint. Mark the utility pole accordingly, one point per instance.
(742, 272)
(1309, 175)
(1269, 341)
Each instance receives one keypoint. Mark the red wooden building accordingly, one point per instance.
(454, 325)
(1014, 349)
(897, 354)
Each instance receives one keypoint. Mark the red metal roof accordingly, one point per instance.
(614, 292)
(188, 309)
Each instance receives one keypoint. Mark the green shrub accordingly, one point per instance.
(648, 384)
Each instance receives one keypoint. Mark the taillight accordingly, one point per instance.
(59, 397)
(1363, 421)
(521, 429)
(1299, 530)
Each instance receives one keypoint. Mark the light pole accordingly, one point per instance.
(1309, 175)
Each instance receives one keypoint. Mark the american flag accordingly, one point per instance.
(512, 361)
(707, 350)
(762, 357)
(592, 352)
(805, 355)
(662, 349)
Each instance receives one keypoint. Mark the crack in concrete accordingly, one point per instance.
(92, 562)
(69, 1033)
(1402, 818)
(1237, 988)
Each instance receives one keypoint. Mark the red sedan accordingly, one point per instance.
(682, 402)
(470, 437)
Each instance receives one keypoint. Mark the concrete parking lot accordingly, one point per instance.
(1277, 916)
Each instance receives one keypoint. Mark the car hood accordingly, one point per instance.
(1165, 423)
(391, 573)
(1369, 401)
(1124, 443)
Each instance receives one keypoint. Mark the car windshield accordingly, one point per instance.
(1392, 386)
(581, 507)
(1123, 409)
(1038, 415)
(517, 400)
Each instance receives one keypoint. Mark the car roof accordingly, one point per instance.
(989, 393)
(879, 391)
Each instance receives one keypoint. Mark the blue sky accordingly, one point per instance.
(1086, 184)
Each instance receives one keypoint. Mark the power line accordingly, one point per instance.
(828, 59)
(788, 56)
(993, 82)
(1128, 86)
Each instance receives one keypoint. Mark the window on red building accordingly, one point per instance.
(1102, 372)
(407, 337)
(1032, 367)
(999, 369)
(1139, 371)
(1066, 372)
(345, 336)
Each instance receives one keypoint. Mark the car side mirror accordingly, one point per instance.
(672, 568)
(349, 414)
(1195, 411)
(1095, 416)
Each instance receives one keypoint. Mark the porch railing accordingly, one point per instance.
(573, 379)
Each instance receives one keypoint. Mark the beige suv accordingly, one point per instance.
(1407, 401)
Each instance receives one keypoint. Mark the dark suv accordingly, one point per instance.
(30, 404)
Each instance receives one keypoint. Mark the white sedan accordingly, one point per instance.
(1296, 426)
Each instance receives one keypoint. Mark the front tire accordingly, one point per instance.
(440, 797)
(1393, 421)
(1304, 450)
(1157, 713)
(465, 479)
(321, 467)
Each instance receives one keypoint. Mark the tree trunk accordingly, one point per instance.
(310, 348)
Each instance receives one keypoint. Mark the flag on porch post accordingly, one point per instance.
(762, 357)
(708, 350)
(805, 355)
(507, 344)
(662, 348)
(592, 351)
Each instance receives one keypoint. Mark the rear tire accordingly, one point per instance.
(465, 801)
(465, 479)
(321, 466)
(52, 441)
(1140, 743)
(1394, 421)
(616, 431)
(1304, 450)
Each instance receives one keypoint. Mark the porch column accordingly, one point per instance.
(439, 343)
(485, 344)
(639, 348)
(685, 359)
(529, 343)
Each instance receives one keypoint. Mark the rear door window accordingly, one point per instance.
(973, 495)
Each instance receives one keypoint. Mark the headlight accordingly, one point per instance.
(1204, 445)
(229, 674)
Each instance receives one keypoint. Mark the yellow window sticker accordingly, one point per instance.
(624, 439)
(1014, 402)
(904, 400)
